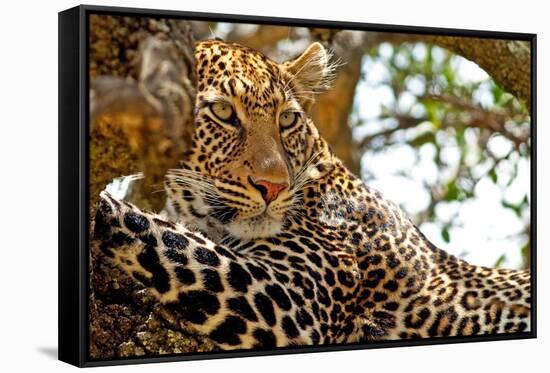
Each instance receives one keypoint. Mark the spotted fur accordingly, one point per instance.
(328, 261)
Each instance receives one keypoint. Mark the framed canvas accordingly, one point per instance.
(234, 186)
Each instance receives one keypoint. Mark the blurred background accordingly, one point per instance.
(427, 127)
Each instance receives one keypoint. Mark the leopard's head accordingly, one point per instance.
(254, 146)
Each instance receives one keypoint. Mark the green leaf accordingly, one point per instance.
(452, 191)
(423, 138)
(500, 261)
(513, 175)
(429, 57)
(493, 175)
(432, 113)
(461, 137)
(445, 234)
(497, 93)
(515, 208)
(449, 74)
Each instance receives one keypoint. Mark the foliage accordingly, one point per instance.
(453, 119)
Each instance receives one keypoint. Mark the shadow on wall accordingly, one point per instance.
(50, 351)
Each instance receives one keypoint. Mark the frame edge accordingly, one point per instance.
(72, 103)
(70, 349)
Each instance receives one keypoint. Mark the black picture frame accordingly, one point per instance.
(74, 187)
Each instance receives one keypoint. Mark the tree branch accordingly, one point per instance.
(508, 62)
(262, 37)
(492, 120)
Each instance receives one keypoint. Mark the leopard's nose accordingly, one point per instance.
(268, 189)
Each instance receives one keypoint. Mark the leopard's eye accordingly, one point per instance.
(224, 112)
(288, 118)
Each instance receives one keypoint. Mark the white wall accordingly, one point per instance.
(28, 184)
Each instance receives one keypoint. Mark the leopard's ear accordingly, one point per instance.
(310, 73)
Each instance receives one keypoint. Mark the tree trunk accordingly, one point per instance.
(332, 110)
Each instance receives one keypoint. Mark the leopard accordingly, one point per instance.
(270, 241)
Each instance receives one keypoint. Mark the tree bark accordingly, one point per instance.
(141, 104)
(332, 110)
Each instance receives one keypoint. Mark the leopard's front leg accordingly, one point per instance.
(235, 300)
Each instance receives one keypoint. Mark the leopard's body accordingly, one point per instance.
(310, 256)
